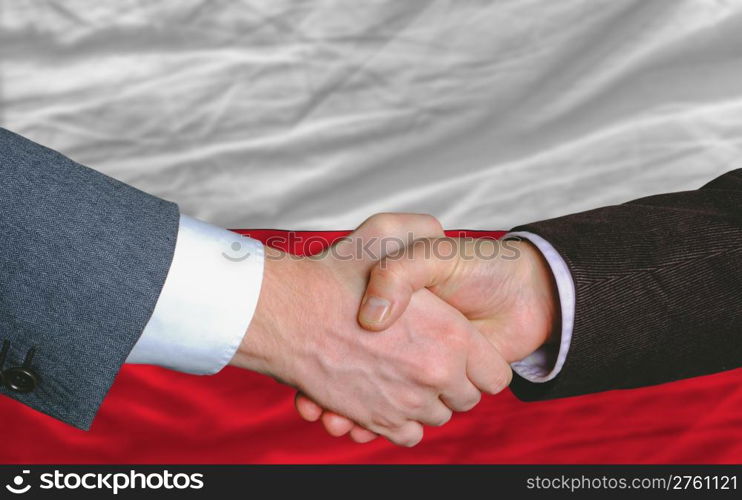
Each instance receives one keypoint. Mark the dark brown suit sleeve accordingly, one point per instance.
(658, 286)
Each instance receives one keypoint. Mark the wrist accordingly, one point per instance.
(544, 293)
(260, 349)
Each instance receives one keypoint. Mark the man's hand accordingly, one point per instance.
(505, 289)
(305, 333)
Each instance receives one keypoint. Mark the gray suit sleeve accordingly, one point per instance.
(83, 259)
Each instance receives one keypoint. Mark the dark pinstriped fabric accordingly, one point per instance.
(658, 290)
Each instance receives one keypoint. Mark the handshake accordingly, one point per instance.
(397, 326)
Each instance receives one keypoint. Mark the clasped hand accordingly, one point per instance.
(397, 326)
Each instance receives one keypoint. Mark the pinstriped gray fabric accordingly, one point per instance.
(658, 290)
(83, 258)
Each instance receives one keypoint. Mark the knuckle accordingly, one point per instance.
(458, 338)
(429, 225)
(408, 438)
(385, 222)
(435, 225)
(500, 380)
(414, 402)
(382, 421)
(506, 379)
(471, 401)
(387, 272)
(442, 419)
(438, 374)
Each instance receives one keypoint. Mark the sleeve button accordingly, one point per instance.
(21, 380)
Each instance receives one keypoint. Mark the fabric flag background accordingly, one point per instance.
(314, 114)
(154, 415)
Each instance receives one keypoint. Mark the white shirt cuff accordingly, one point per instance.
(207, 302)
(540, 366)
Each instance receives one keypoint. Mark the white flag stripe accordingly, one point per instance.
(312, 115)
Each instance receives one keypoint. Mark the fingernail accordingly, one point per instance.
(375, 309)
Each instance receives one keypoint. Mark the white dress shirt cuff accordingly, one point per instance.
(542, 365)
(207, 302)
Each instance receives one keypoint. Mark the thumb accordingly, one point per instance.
(387, 233)
(393, 280)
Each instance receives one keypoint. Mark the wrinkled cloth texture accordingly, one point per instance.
(314, 114)
(303, 114)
